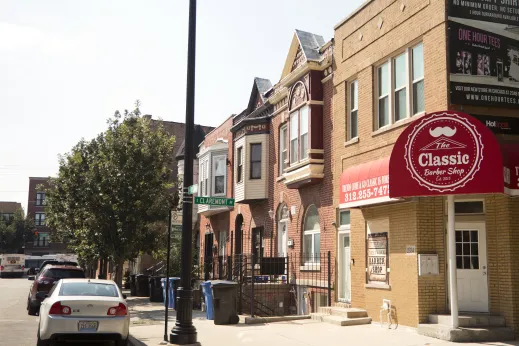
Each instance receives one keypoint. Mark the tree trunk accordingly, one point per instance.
(119, 272)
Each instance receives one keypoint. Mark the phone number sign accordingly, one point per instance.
(365, 191)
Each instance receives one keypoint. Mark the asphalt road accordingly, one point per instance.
(16, 327)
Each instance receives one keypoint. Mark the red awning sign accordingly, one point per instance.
(510, 153)
(365, 184)
(445, 153)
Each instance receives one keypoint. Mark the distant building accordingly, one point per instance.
(41, 245)
(7, 210)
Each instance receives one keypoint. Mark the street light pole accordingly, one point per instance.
(184, 332)
(167, 280)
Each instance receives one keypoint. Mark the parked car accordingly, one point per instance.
(57, 262)
(84, 310)
(45, 280)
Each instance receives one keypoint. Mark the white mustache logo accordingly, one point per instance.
(446, 131)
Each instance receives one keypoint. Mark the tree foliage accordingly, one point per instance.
(14, 234)
(112, 190)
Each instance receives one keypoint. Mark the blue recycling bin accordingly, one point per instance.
(207, 291)
(173, 283)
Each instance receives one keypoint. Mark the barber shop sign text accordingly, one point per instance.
(444, 152)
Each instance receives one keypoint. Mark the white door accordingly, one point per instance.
(282, 239)
(471, 264)
(345, 267)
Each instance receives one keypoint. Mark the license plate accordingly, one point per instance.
(87, 325)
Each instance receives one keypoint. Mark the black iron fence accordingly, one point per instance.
(276, 286)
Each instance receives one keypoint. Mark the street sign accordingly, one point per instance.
(192, 189)
(176, 221)
(221, 201)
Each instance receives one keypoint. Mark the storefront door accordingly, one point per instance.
(345, 269)
(471, 263)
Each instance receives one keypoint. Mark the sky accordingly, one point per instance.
(67, 65)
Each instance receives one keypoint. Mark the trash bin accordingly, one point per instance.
(173, 285)
(224, 302)
(156, 294)
(133, 286)
(142, 285)
(208, 299)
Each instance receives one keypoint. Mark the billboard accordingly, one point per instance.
(484, 67)
(496, 11)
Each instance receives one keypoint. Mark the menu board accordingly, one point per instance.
(377, 257)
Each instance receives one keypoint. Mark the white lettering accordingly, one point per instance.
(428, 160)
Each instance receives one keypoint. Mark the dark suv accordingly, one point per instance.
(45, 280)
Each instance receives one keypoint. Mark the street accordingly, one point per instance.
(16, 327)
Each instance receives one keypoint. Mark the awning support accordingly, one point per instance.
(453, 279)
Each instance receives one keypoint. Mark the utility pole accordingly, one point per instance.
(184, 332)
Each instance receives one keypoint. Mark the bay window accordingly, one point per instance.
(299, 135)
(219, 169)
(239, 173)
(255, 161)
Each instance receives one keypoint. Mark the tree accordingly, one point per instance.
(110, 191)
(14, 234)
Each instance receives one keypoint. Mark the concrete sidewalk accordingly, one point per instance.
(147, 329)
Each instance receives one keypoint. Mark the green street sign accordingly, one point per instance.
(192, 189)
(221, 201)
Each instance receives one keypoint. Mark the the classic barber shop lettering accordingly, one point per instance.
(444, 152)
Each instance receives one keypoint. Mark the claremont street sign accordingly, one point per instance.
(222, 201)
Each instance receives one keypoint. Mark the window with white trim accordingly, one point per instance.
(400, 87)
(283, 149)
(255, 161)
(299, 135)
(239, 173)
(219, 174)
(353, 130)
(344, 220)
(312, 236)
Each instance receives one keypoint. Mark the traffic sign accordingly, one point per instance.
(176, 221)
(221, 201)
(192, 189)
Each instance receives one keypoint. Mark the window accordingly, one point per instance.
(469, 207)
(219, 169)
(383, 95)
(63, 273)
(39, 219)
(239, 173)
(467, 249)
(354, 110)
(294, 139)
(418, 80)
(255, 161)
(400, 85)
(299, 135)
(88, 289)
(206, 178)
(42, 240)
(40, 198)
(7, 218)
(312, 236)
(283, 149)
(222, 242)
(344, 218)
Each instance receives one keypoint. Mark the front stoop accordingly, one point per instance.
(341, 316)
(472, 328)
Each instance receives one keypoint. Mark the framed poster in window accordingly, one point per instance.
(377, 258)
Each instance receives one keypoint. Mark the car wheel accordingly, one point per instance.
(31, 309)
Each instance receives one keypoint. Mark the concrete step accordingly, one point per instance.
(342, 305)
(489, 334)
(318, 316)
(344, 312)
(344, 321)
(470, 320)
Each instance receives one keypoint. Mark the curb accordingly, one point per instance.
(132, 341)
(256, 320)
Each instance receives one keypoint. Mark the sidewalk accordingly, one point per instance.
(147, 329)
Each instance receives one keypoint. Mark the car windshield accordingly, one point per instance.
(64, 273)
(88, 289)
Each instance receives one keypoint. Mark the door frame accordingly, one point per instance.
(343, 231)
(467, 224)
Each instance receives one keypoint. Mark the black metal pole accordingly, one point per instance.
(184, 331)
(166, 310)
(329, 280)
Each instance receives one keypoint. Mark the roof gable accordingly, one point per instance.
(304, 47)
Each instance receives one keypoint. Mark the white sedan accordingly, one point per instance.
(84, 310)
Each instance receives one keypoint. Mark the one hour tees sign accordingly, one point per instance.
(445, 153)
